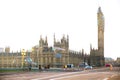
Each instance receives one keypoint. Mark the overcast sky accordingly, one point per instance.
(23, 21)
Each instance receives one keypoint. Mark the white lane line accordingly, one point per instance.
(105, 78)
(60, 75)
(55, 75)
(68, 76)
(76, 75)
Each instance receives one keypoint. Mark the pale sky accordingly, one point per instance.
(23, 21)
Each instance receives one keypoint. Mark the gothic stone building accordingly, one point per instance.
(58, 55)
(97, 55)
(11, 60)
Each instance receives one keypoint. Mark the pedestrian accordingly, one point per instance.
(40, 68)
(30, 67)
(111, 67)
(65, 67)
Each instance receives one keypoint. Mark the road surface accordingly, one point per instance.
(98, 74)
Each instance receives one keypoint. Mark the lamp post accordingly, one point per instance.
(40, 54)
(38, 57)
(23, 54)
(33, 55)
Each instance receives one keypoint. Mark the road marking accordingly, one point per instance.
(67, 76)
(61, 77)
(55, 76)
(75, 75)
(105, 78)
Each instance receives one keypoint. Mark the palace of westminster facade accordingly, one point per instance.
(59, 54)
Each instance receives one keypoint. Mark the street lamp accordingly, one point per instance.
(23, 54)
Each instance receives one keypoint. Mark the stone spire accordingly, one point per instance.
(90, 46)
(54, 39)
(46, 42)
(99, 10)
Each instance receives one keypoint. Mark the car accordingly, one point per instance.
(70, 65)
(107, 65)
(88, 67)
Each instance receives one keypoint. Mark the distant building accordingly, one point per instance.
(10, 60)
(1, 50)
(118, 60)
(97, 55)
(7, 49)
(109, 60)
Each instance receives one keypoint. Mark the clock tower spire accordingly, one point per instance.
(100, 18)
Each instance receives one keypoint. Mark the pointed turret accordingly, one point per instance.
(67, 41)
(67, 37)
(40, 37)
(63, 36)
(99, 10)
(40, 41)
(90, 47)
(46, 42)
(83, 51)
(54, 39)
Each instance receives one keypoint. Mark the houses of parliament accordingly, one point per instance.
(58, 54)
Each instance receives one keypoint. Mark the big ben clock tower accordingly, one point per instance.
(100, 18)
(97, 55)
